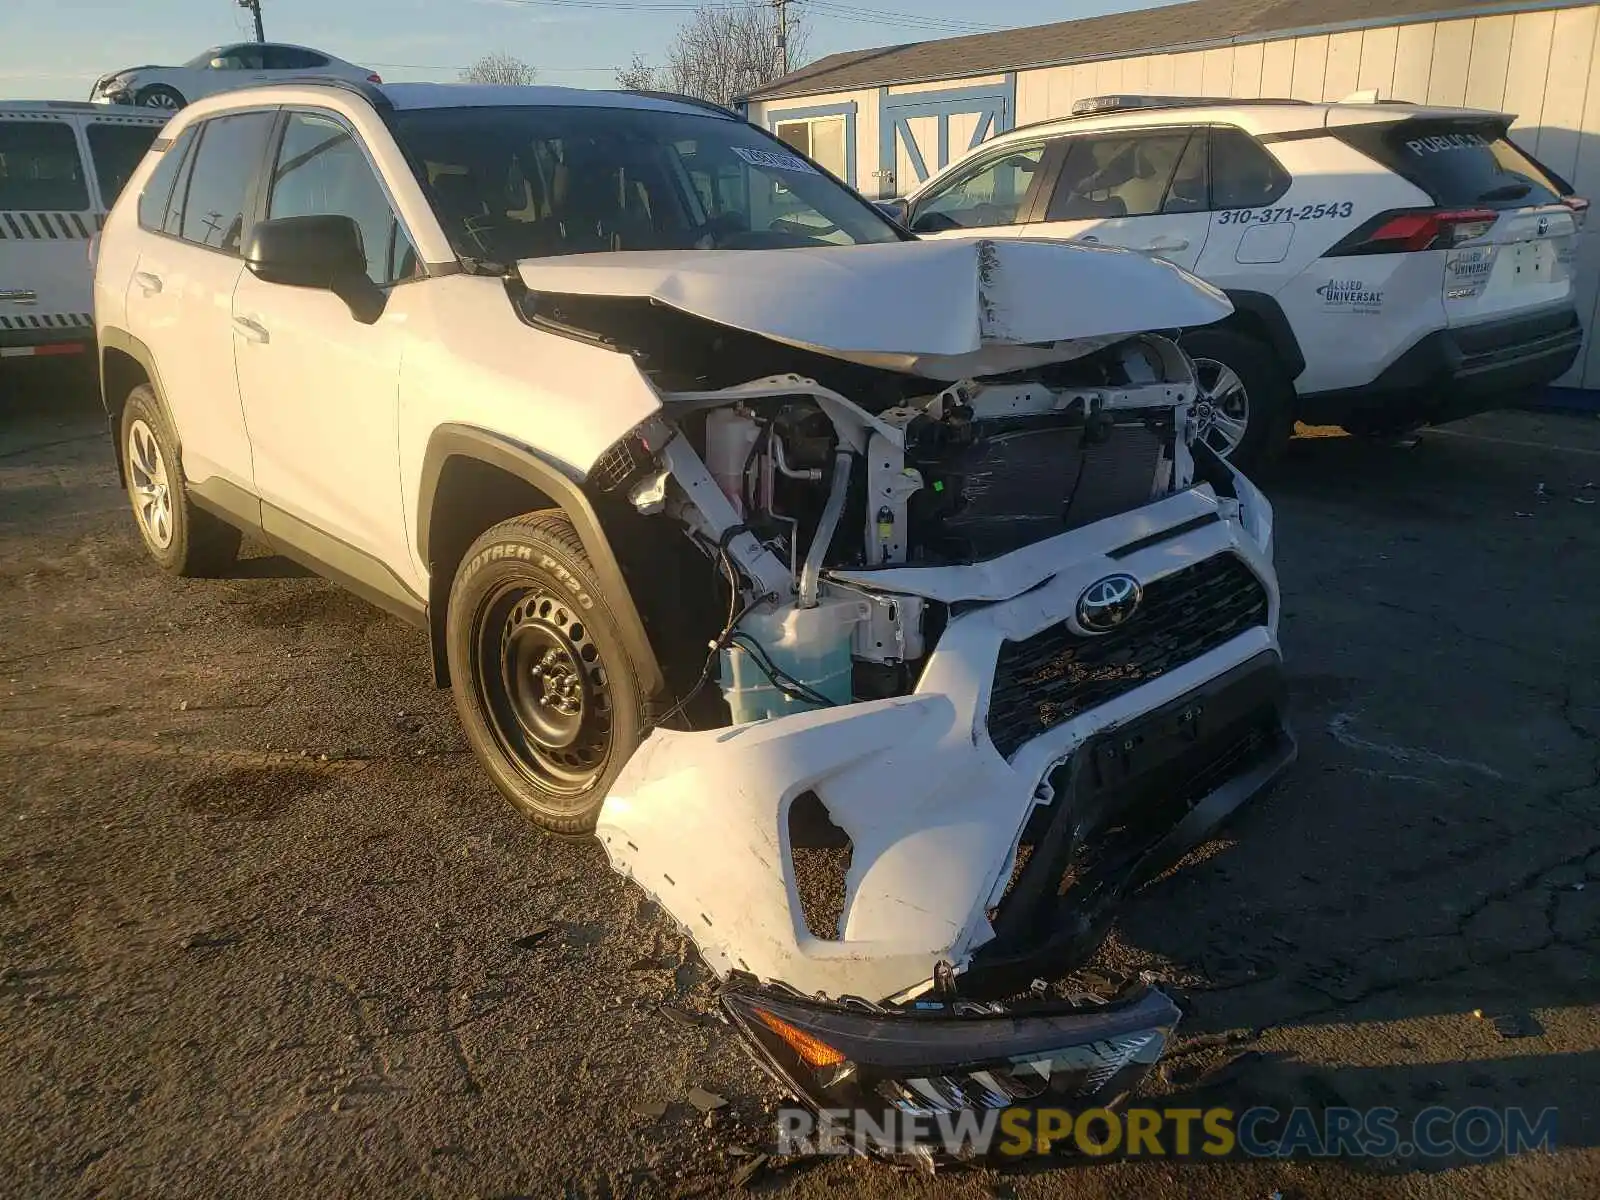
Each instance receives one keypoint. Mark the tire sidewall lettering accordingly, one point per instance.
(545, 562)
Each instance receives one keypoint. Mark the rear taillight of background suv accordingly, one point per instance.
(1404, 230)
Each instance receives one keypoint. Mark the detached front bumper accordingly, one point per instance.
(935, 789)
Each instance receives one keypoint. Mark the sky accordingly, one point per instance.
(55, 51)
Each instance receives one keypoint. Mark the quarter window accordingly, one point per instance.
(39, 168)
(219, 197)
(157, 212)
(1243, 175)
(1117, 175)
(321, 171)
(990, 194)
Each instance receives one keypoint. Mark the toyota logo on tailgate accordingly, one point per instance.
(1108, 603)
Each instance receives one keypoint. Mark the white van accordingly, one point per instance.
(61, 168)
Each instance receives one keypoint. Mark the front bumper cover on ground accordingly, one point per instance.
(933, 810)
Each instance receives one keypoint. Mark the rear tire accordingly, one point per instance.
(180, 537)
(549, 698)
(161, 96)
(1250, 393)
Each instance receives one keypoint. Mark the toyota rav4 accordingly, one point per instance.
(613, 395)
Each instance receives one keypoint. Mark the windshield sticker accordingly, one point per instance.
(1447, 141)
(1350, 295)
(774, 160)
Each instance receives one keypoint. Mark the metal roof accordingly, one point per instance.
(1172, 28)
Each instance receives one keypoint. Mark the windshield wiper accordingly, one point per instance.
(1508, 191)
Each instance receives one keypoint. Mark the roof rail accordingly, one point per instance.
(1093, 106)
(81, 106)
(721, 110)
(369, 92)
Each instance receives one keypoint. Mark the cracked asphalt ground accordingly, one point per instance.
(265, 930)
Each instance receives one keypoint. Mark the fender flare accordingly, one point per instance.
(565, 489)
(112, 338)
(1280, 334)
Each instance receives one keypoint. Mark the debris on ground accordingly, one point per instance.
(653, 1109)
(750, 1172)
(705, 1101)
(529, 940)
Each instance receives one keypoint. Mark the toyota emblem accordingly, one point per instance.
(1108, 603)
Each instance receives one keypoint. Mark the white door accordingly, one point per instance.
(46, 221)
(989, 195)
(1143, 190)
(180, 300)
(320, 389)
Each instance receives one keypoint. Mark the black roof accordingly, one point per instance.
(1145, 31)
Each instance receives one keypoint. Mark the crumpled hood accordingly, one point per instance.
(948, 309)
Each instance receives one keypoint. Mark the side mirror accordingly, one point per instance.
(897, 210)
(320, 252)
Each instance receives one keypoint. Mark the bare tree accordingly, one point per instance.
(500, 68)
(637, 76)
(721, 54)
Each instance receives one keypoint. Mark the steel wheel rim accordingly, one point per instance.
(544, 688)
(150, 485)
(160, 100)
(1225, 403)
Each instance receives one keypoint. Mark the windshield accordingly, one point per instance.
(534, 181)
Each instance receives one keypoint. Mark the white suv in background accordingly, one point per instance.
(1390, 264)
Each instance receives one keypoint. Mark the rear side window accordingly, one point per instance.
(155, 202)
(117, 151)
(292, 58)
(40, 170)
(221, 188)
(1457, 162)
(1116, 175)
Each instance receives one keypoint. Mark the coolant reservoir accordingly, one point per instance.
(810, 645)
(729, 436)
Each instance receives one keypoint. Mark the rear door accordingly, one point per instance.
(1144, 190)
(1512, 233)
(46, 221)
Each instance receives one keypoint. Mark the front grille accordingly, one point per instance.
(1055, 675)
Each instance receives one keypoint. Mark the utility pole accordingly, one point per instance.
(783, 33)
(254, 7)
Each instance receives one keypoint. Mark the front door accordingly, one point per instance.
(320, 389)
(1143, 190)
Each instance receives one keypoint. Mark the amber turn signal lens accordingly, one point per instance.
(812, 1052)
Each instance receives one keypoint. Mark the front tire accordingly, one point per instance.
(180, 537)
(160, 96)
(549, 698)
(1249, 395)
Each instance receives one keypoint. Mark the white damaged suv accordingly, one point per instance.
(614, 395)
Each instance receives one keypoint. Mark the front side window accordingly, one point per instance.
(117, 151)
(991, 193)
(156, 201)
(219, 196)
(1107, 176)
(39, 168)
(535, 180)
(237, 58)
(321, 171)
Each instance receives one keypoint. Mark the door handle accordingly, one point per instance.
(148, 283)
(251, 331)
(1167, 243)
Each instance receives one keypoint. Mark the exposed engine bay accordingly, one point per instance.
(994, 616)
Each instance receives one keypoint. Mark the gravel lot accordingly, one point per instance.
(266, 931)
